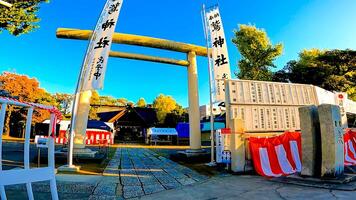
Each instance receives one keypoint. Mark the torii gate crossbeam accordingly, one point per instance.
(191, 50)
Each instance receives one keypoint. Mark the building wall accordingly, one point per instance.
(205, 111)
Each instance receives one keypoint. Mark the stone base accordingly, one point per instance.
(193, 156)
(346, 182)
(66, 168)
(211, 164)
(194, 153)
(77, 153)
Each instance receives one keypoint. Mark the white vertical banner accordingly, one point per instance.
(341, 98)
(220, 56)
(219, 146)
(223, 154)
(99, 47)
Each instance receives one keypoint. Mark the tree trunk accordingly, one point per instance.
(7, 121)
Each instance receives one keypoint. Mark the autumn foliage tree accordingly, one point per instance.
(21, 17)
(166, 106)
(141, 103)
(24, 89)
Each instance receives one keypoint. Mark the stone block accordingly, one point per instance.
(105, 189)
(186, 181)
(166, 179)
(132, 191)
(153, 188)
(311, 141)
(332, 142)
(130, 181)
(172, 185)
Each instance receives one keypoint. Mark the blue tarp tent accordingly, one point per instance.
(206, 126)
(183, 128)
(98, 125)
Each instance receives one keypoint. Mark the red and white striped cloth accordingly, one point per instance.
(51, 109)
(61, 140)
(92, 137)
(350, 148)
(281, 155)
(277, 156)
(99, 137)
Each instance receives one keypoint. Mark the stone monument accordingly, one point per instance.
(332, 143)
(311, 141)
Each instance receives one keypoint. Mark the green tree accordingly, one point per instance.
(164, 105)
(333, 70)
(107, 101)
(257, 53)
(63, 103)
(97, 101)
(177, 115)
(141, 103)
(94, 100)
(21, 17)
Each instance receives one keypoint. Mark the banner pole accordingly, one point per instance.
(104, 29)
(212, 160)
(74, 115)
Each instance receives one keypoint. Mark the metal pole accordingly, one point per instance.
(76, 98)
(72, 121)
(2, 120)
(38, 157)
(74, 113)
(212, 162)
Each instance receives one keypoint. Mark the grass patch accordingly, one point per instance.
(94, 167)
(200, 167)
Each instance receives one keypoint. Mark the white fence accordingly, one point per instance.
(27, 175)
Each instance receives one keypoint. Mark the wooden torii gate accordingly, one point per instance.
(189, 49)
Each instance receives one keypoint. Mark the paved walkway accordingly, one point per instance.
(249, 188)
(132, 172)
(139, 172)
(143, 174)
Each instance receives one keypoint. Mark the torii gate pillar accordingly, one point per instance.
(81, 122)
(194, 118)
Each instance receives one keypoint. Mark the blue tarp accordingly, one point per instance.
(98, 125)
(183, 128)
(217, 125)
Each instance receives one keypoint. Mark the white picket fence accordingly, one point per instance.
(27, 175)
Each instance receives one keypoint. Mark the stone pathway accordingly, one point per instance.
(139, 172)
(245, 187)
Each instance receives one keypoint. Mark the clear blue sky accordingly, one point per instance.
(55, 62)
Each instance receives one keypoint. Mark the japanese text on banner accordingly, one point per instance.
(99, 47)
(221, 69)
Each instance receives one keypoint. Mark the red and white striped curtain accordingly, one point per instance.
(350, 148)
(281, 155)
(277, 156)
